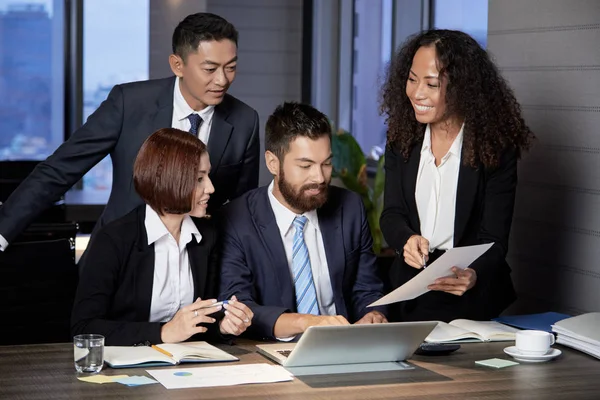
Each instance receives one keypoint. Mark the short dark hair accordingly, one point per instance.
(200, 27)
(165, 171)
(291, 120)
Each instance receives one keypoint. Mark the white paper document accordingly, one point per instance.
(460, 257)
(179, 378)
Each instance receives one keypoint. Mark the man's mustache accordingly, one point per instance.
(320, 186)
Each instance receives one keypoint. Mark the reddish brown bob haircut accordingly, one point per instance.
(165, 172)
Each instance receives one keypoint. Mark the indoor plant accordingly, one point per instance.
(350, 166)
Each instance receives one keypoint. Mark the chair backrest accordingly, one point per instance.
(37, 288)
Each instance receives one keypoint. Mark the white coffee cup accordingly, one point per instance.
(533, 343)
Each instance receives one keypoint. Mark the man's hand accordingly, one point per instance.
(292, 324)
(238, 317)
(373, 317)
(458, 284)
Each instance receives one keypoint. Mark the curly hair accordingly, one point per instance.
(476, 92)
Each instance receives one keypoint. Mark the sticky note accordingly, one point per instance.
(101, 378)
(496, 363)
(136, 380)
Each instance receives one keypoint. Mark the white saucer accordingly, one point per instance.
(517, 355)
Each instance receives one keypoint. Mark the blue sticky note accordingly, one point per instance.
(136, 380)
(496, 363)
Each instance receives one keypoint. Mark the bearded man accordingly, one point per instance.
(299, 252)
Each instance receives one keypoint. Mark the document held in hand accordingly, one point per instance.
(460, 257)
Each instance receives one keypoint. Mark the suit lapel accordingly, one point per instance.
(198, 257)
(220, 133)
(163, 117)
(466, 191)
(271, 239)
(330, 224)
(143, 258)
(410, 184)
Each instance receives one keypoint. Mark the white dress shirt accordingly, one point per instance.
(435, 192)
(316, 250)
(173, 284)
(181, 111)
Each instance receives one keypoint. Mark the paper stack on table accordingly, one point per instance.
(581, 333)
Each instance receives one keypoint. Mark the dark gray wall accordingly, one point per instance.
(269, 51)
(548, 50)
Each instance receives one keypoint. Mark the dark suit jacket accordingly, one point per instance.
(254, 266)
(130, 114)
(115, 287)
(484, 207)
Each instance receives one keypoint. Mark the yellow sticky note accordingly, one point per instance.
(101, 378)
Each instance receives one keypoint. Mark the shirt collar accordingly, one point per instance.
(181, 109)
(455, 149)
(285, 217)
(156, 229)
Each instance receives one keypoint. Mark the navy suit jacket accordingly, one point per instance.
(115, 286)
(254, 266)
(130, 114)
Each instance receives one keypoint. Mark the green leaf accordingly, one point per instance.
(379, 179)
(347, 154)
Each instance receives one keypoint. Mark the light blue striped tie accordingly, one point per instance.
(306, 296)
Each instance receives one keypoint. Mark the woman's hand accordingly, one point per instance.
(185, 323)
(464, 280)
(238, 317)
(416, 251)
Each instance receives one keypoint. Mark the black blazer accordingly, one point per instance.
(254, 266)
(484, 207)
(130, 114)
(115, 287)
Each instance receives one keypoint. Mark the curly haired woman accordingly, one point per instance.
(455, 134)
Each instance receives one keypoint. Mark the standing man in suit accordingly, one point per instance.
(204, 63)
(299, 252)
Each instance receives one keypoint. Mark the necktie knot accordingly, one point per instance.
(300, 222)
(195, 121)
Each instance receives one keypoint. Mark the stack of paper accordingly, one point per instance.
(580, 332)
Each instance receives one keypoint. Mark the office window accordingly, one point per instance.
(372, 53)
(115, 50)
(31, 78)
(469, 16)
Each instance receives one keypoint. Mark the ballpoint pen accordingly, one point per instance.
(217, 304)
(424, 263)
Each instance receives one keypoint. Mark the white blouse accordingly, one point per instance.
(173, 284)
(435, 192)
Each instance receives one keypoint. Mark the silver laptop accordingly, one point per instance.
(350, 348)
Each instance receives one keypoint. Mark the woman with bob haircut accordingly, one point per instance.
(152, 276)
(455, 132)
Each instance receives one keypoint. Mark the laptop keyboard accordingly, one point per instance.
(284, 353)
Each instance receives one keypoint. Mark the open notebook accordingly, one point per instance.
(137, 356)
(464, 330)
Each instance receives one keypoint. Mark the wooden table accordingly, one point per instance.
(46, 372)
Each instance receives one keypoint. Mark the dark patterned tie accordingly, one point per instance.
(196, 122)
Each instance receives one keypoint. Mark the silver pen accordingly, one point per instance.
(424, 263)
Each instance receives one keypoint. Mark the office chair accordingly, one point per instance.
(37, 286)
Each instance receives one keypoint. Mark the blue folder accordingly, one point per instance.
(540, 322)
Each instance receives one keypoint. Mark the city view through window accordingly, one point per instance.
(32, 79)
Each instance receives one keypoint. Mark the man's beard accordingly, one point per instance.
(297, 199)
